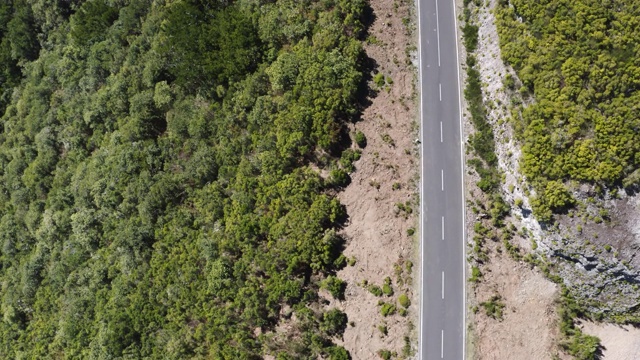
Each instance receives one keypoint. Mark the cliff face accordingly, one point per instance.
(597, 255)
(594, 246)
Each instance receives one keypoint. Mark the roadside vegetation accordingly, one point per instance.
(157, 198)
(577, 60)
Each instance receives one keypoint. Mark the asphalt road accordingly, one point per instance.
(442, 326)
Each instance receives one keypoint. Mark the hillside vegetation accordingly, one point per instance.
(156, 194)
(580, 60)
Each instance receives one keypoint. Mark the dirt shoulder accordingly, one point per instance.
(377, 231)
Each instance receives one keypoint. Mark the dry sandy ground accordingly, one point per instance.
(376, 234)
(619, 342)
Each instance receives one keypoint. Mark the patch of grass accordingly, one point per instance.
(476, 275)
(387, 139)
(494, 307)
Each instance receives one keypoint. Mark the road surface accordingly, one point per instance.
(442, 315)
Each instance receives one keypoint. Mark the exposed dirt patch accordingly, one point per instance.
(385, 176)
(618, 342)
(527, 328)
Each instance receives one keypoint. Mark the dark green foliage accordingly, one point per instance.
(157, 197)
(375, 290)
(339, 178)
(575, 342)
(209, 46)
(335, 286)
(470, 35)
(347, 159)
(334, 322)
(575, 58)
(384, 354)
(482, 140)
(494, 307)
(360, 139)
(90, 22)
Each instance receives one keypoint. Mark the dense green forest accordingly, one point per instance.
(580, 59)
(156, 194)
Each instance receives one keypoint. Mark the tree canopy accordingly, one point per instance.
(156, 194)
(579, 59)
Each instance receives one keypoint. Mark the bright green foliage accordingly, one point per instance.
(156, 194)
(386, 287)
(404, 301)
(577, 59)
(387, 309)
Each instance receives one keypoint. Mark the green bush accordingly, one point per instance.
(335, 286)
(339, 178)
(404, 301)
(334, 322)
(360, 139)
(384, 354)
(387, 289)
(375, 290)
(387, 309)
(378, 79)
(476, 275)
(494, 307)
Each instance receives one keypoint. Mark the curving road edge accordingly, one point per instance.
(442, 330)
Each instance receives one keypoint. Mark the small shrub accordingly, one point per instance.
(384, 354)
(476, 275)
(339, 178)
(335, 286)
(519, 202)
(334, 322)
(352, 261)
(387, 309)
(402, 312)
(375, 290)
(387, 138)
(396, 186)
(361, 139)
(607, 248)
(383, 329)
(494, 307)
(378, 79)
(409, 266)
(387, 289)
(411, 231)
(404, 300)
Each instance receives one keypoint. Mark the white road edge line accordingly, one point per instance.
(443, 228)
(442, 344)
(421, 226)
(464, 242)
(440, 90)
(441, 139)
(437, 31)
(442, 179)
(443, 285)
